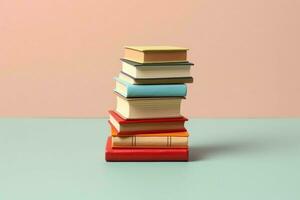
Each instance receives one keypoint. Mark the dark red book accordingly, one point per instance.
(137, 126)
(114, 155)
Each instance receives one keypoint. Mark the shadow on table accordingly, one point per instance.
(203, 152)
(242, 146)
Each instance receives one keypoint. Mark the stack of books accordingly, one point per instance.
(146, 124)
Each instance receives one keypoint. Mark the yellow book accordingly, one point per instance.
(150, 142)
(155, 54)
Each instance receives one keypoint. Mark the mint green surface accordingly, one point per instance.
(230, 159)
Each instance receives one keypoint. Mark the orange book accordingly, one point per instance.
(115, 133)
(150, 142)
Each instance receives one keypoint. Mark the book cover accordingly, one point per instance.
(157, 71)
(144, 154)
(136, 130)
(167, 90)
(145, 126)
(114, 132)
(144, 81)
(122, 120)
(156, 48)
(155, 54)
(149, 142)
(164, 64)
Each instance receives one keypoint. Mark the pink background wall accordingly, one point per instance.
(57, 58)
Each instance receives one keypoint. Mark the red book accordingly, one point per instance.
(137, 126)
(145, 154)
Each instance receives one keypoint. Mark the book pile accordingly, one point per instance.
(147, 124)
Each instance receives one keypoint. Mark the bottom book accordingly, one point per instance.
(144, 154)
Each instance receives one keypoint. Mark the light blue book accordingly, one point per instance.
(166, 90)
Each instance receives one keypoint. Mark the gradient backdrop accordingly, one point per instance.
(58, 57)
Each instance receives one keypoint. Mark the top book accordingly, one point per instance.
(155, 54)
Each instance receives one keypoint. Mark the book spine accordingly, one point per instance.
(150, 142)
(168, 90)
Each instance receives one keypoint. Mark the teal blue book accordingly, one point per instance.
(165, 90)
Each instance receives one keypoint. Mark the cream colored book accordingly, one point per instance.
(170, 71)
(150, 142)
(160, 107)
(155, 54)
(166, 80)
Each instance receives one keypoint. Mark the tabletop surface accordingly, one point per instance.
(230, 159)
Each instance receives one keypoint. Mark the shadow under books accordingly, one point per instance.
(242, 146)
